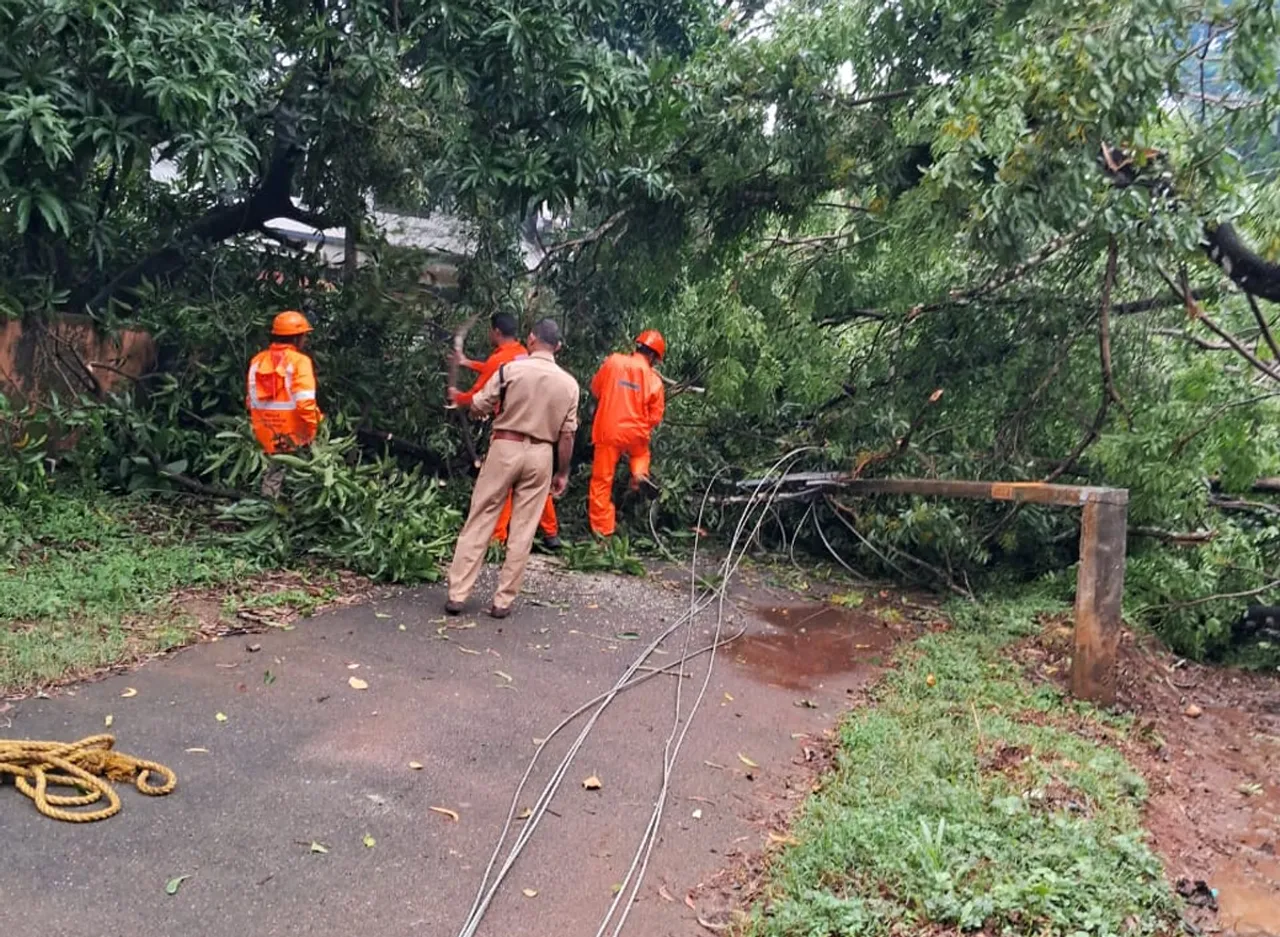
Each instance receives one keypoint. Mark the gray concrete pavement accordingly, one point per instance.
(307, 758)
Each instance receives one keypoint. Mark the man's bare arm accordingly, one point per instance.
(564, 455)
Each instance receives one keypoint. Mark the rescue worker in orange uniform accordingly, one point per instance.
(281, 394)
(506, 347)
(629, 405)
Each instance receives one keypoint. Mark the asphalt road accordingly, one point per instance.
(303, 757)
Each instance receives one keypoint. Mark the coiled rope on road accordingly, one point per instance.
(87, 767)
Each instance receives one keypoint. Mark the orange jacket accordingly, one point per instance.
(281, 397)
(630, 400)
(507, 351)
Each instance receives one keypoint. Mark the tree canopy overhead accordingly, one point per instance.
(1058, 213)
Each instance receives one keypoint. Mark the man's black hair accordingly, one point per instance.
(505, 324)
(547, 332)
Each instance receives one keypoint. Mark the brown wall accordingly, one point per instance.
(29, 368)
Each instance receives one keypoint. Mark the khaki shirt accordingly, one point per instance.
(541, 398)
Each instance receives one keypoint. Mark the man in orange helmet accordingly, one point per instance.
(281, 394)
(506, 347)
(629, 405)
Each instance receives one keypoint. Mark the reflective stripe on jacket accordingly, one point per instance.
(281, 397)
(630, 400)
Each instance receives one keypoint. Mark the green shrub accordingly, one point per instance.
(368, 515)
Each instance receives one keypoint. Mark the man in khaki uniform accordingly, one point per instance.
(539, 412)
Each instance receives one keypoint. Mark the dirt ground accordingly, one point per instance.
(1208, 742)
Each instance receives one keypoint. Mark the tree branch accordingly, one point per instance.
(899, 444)
(1195, 311)
(1193, 339)
(1104, 331)
(595, 234)
(1104, 348)
(1213, 418)
(1248, 269)
(1264, 326)
(1177, 538)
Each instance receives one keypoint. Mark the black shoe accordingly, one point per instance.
(497, 611)
(452, 608)
(552, 542)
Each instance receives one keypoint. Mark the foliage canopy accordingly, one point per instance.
(1060, 214)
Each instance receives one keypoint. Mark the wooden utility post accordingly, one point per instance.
(1099, 581)
(1099, 593)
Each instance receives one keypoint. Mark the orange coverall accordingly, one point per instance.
(549, 524)
(630, 401)
(281, 397)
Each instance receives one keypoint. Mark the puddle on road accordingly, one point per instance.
(1249, 884)
(1249, 897)
(811, 643)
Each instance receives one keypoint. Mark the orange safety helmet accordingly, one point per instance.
(653, 340)
(290, 322)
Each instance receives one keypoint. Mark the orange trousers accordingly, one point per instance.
(603, 466)
(548, 523)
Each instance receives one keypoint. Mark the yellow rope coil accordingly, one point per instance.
(87, 766)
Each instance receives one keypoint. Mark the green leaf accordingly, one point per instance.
(171, 887)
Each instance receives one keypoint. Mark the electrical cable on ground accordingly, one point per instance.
(680, 727)
(698, 603)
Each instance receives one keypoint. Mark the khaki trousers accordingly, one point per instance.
(524, 469)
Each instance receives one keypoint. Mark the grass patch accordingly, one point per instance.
(85, 582)
(964, 802)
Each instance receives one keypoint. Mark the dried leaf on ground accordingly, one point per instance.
(197, 751)
(747, 761)
(320, 848)
(530, 892)
(415, 765)
(664, 894)
(729, 697)
(108, 720)
(357, 684)
(446, 812)
(525, 814)
(129, 693)
(592, 783)
(353, 666)
(783, 839)
(221, 717)
(504, 675)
